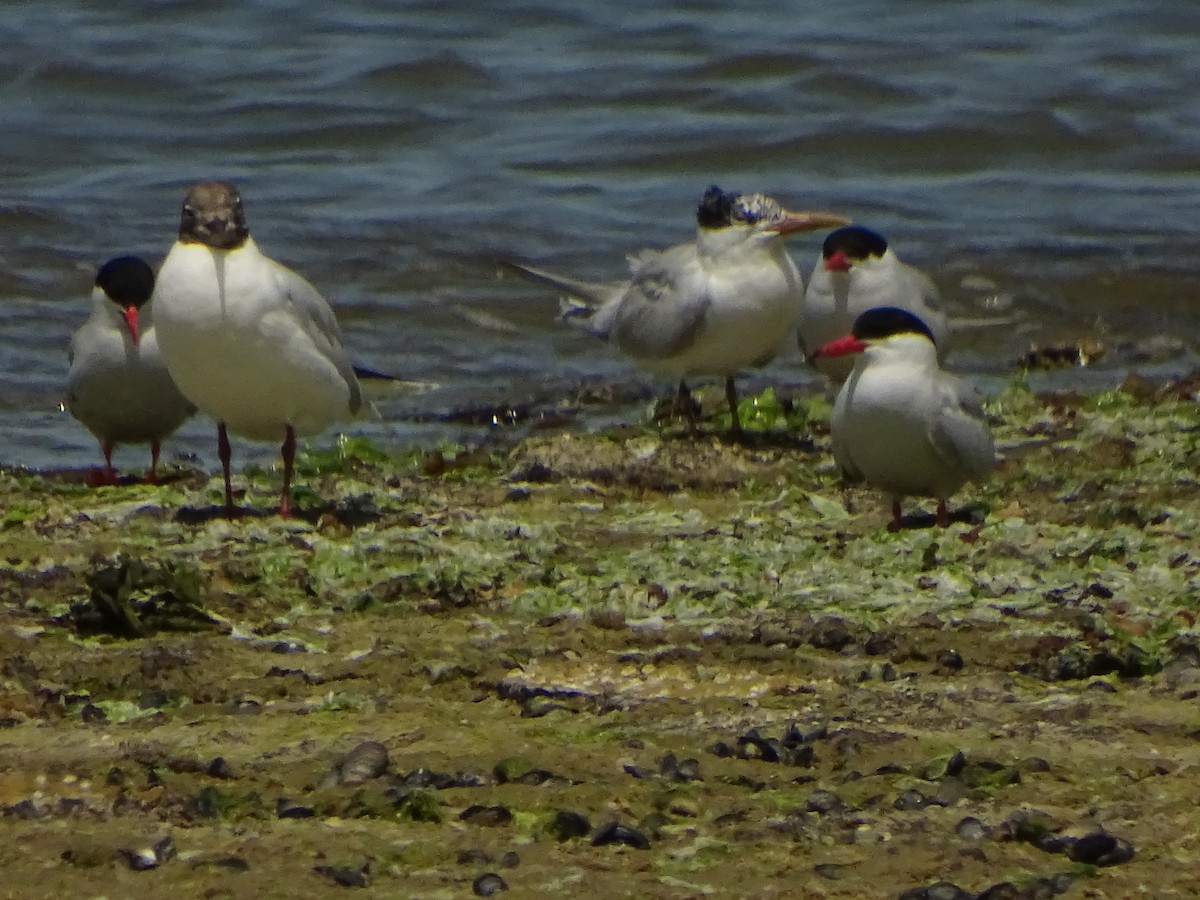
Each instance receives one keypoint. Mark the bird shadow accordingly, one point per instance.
(973, 514)
(350, 512)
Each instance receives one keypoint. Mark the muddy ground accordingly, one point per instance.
(631, 664)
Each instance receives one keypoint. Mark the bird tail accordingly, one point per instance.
(579, 301)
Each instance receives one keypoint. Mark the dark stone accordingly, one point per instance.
(1100, 849)
(289, 809)
(616, 833)
(488, 885)
(950, 660)
(365, 762)
(721, 749)
(830, 871)
(824, 802)
(945, 890)
(346, 876)
(510, 860)
(971, 829)
(679, 770)
(490, 816)
(568, 825)
(219, 768)
(912, 800)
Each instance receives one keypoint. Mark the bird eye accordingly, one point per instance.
(189, 213)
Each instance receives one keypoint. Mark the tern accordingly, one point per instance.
(858, 271)
(118, 385)
(899, 422)
(248, 340)
(723, 303)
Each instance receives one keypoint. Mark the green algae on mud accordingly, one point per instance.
(589, 605)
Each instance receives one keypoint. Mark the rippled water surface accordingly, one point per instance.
(1038, 159)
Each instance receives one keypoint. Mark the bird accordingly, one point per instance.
(247, 339)
(118, 386)
(727, 301)
(858, 271)
(899, 421)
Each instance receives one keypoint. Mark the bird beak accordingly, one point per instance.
(793, 222)
(130, 314)
(841, 347)
(837, 262)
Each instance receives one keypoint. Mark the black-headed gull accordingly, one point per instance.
(248, 340)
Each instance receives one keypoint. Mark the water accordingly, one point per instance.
(394, 151)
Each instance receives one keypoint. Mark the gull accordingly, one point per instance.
(725, 302)
(858, 271)
(248, 340)
(118, 385)
(899, 422)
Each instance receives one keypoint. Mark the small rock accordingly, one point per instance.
(347, 876)
(366, 761)
(510, 860)
(946, 890)
(912, 800)
(830, 871)
(219, 768)
(971, 829)
(1100, 849)
(488, 816)
(1005, 890)
(568, 825)
(824, 802)
(143, 859)
(679, 770)
(950, 660)
(488, 885)
(616, 833)
(290, 809)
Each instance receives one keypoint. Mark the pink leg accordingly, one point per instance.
(894, 525)
(943, 515)
(225, 452)
(289, 455)
(155, 448)
(107, 476)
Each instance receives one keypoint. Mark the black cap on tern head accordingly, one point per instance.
(716, 209)
(126, 281)
(855, 242)
(888, 321)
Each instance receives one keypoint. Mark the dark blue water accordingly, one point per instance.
(1037, 159)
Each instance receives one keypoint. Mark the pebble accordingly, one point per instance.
(568, 825)
(365, 762)
(830, 871)
(346, 876)
(675, 769)
(616, 833)
(474, 857)
(510, 860)
(950, 660)
(143, 859)
(489, 816)
(488, 885)
(290, 809)
(971, 829)
(1100, 849)
(824, 802)
(219, 768)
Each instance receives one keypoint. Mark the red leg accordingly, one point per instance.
(943, 515)
(107, 475)
(894, 525)
(225, 452)
(289, 455)
(155, 448)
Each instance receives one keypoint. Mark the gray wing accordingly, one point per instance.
(960, 435)
(665, 305)
(316, 317)
(841, 455)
